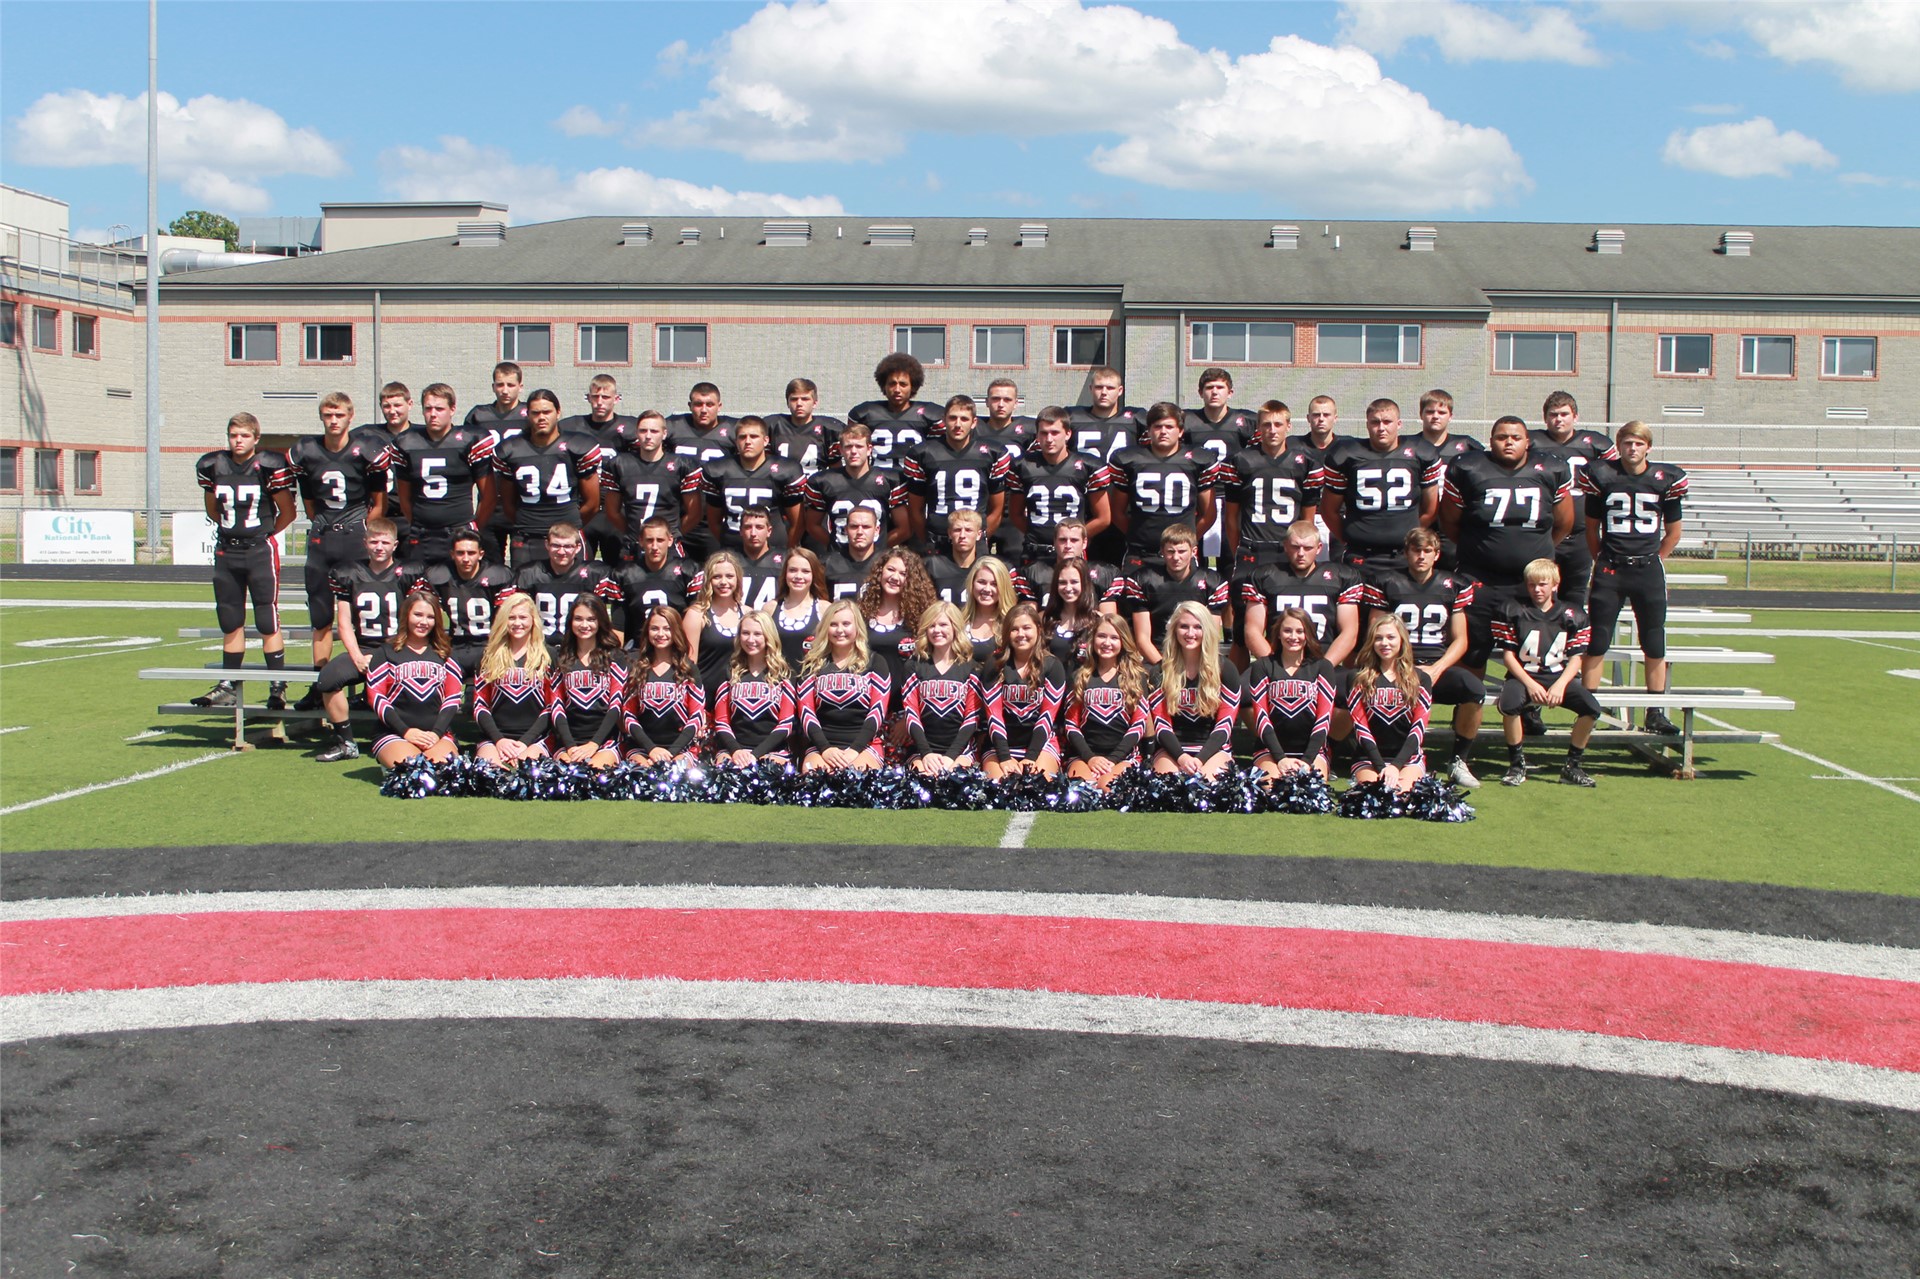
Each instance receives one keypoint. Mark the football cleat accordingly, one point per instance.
(221, 694)
(1462, 775)
(1657, 722)
(311, 702)
(1574, 775)
(340, 750)
(277, 696)
(1516, 774)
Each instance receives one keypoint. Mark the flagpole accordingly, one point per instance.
(153, 278)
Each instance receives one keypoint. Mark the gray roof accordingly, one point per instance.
(1148, 263)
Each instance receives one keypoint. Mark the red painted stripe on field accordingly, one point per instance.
(1744, 1006)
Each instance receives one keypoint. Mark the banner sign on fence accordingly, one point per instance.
(76, 537)
(192, 538)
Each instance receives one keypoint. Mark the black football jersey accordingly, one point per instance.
(644, 589)
(689, 441)
(376, 436)
(441, 473)
(950, 581)
(554, 593)
(730, 489)
(488, 417)
(1633, 511)
(373, 596)
(470, 601)
(1425, 608)
(1157, 594)
(1318, 592)
(546, 479)
(1506, 516)
(950, 479)
(834, 493)
(1580, 449)
(1380, 492)
(1054, 492)
(1314, 453)
(1104, 437)
(614, 434)
(1160, 491)
(243, 491)
(847, 576)
(1014, 439)
(1545, 639)
(805, 445)
(1271, 492)
(647, 490)
(1104, 583)
(336, 486)
(760, 584)
(897, 434)
(1222, 439)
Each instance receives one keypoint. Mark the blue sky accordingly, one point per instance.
(1640, 112)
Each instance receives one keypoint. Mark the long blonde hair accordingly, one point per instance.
(497, 659)
(961, 649)
(1130, 672)
(1004, 598)
(820, 652)
(1403, 675)
(777, 669)
(704, 599)
(1173, 666)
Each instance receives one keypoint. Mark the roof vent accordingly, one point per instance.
(1683, 410)
(1422, 239)
(689, 235)
(787, 235)
(479, 235)
(1837, 413)
(1033, 235)
(976, 237)
(891, 235)
(1736, 244)
(1610, 240)
(1285, 236)
(636, 234)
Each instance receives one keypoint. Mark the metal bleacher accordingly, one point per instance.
(1878, 509)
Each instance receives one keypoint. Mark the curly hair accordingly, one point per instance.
(1131, 673)
(914, 600)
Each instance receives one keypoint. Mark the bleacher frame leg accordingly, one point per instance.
(1685, 772)
(240, 742)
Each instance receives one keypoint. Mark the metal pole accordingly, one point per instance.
(153, 277)
(1749, 559)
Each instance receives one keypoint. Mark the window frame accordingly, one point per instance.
(88, 490)
(1752, 341)
(1660, 356)
(1834, 341)
(986, 331)
(660, 331)
(1320, 334)
(311, 328)
(1064, 332)
(33, 336)
(515, 327)
(1196, 360)
(73, 335)
(1504, 337)
(18, 455)
(40, 462)
(10, 335)
(908, 330)
(585, 327)
(241, 327)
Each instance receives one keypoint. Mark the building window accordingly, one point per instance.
(605, 344)
(1849, 357)
(1369, 344)
(329, 344)
(86, 471)
(46, 329)
(1000, 345)
(680, 344)
(1533, 352)
(9, 324)
(86, 335)
(926, 343)
(46, 470)
(1079, 347)
(10, 469)
(1766, 355)
(1686, 354)
(253, 343)
(527, 343)
(1237, 342)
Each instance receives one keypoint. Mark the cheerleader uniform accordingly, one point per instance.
(585, 706)
(1292, 710)
(512, 707)
(716, 649)
(1387, 728)
(411, 689)
(1097, 723)
(755, 714)
(1023, 721)
(944, 710)
(796, 632)
(1065, 643)
(663, 710)
(1184, 729)
(844, 709)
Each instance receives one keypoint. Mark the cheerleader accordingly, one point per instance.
(1290, 697)
(898, 591)
(753, 710)
(1023, 691)
(713, 619)
(1105, 717)
(665, 708)
(1388, 698)
(587, 688)
(803, 594)
(942, 698)
(990, 597)
(414, 688)
(843, 694)
(510, 686)
(1198, 698)
(1071, 609)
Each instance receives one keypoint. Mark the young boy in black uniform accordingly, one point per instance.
(505, 416)
(445, 478)
(249, 497)
(896, 420)
(1579, 447)
(342, 484)
(1330, 594)
(847, 568)
(646, 481)
(1373, 492)
(1152, 594)
(952, 472)
(1052, 484)
(1541, 642)
(614, 431)
(801, 435)
(1160, 485)
(656, 576)
(468, 587)
(367, 597)
(562, 577)
(548, 477)
(749, 477)
(853, 481)
(1433, 605)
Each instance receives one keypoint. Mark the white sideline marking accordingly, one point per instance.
(140, 604)
(141, 737)
(1906, 674)
(92, 1012)
(17, 728)
(1897, 648)
(1835, 777)
(1790, 634)
(1842, 769)
(1019, 826)
(104, 652)
(90, 641)
(119, 781)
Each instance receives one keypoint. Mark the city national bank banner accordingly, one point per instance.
(76, 537)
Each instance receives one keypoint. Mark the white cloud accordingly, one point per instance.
(1469, 32)
(1873, 44)
(216, 148)
(1316, 125)
(539, 192)
(1718, 50)
(585, 122)
(803, 82)
(1751, 149)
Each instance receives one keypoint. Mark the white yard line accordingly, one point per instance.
(1019, 826)
(17, 728)
(104, 652)
(203, 605)
(1842, 769)
(1835, 777)
(141, 737)
(1757, 633)
(1898, 648)
(118, 781)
